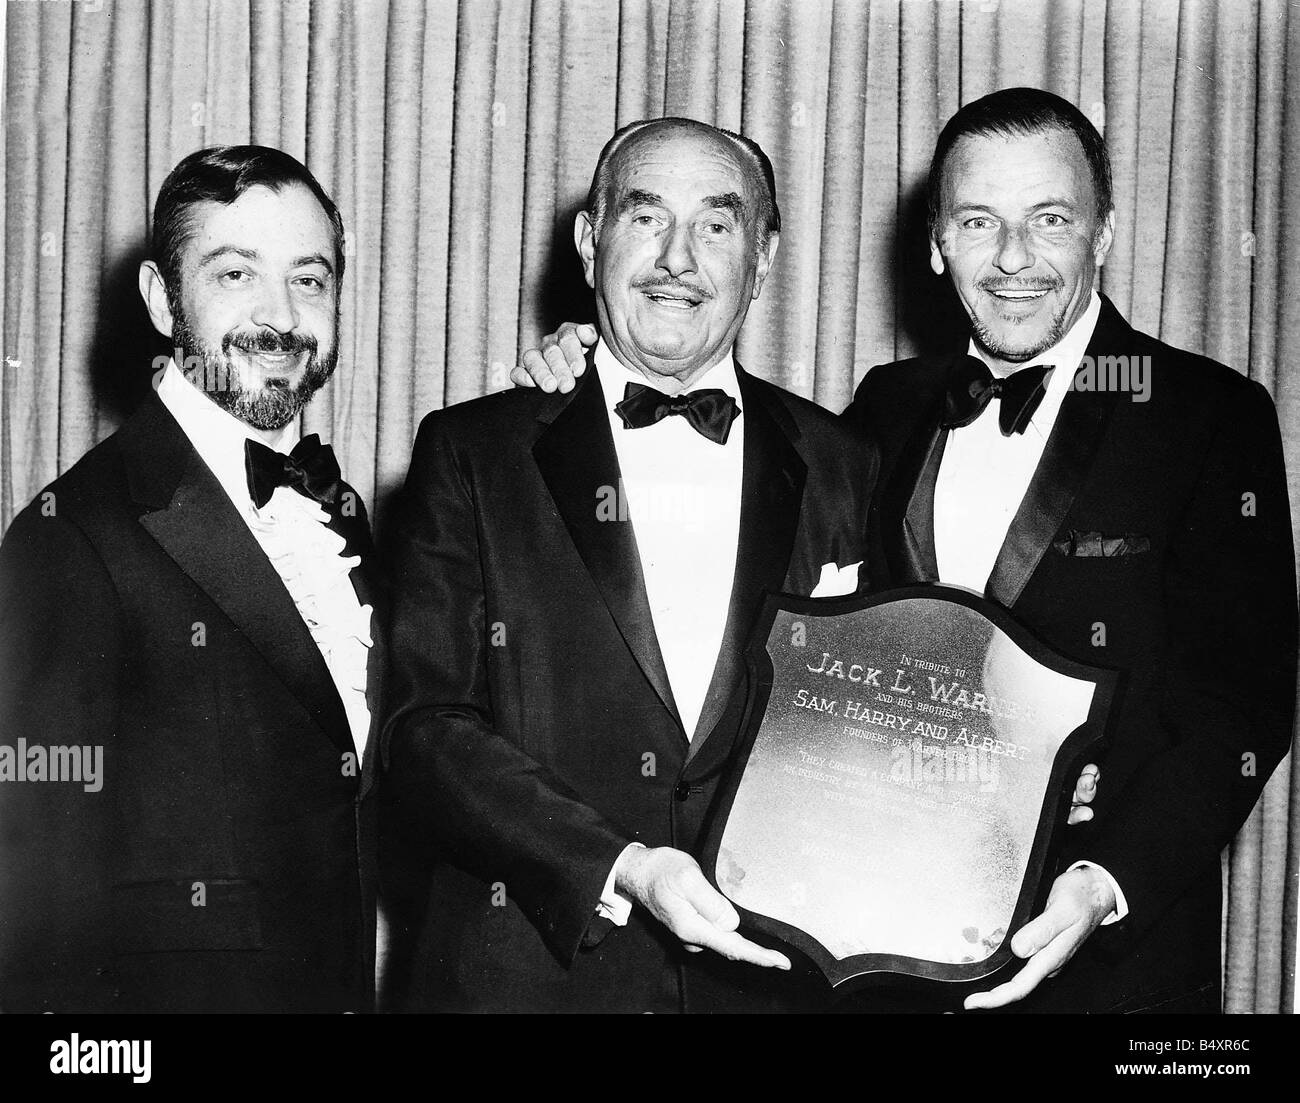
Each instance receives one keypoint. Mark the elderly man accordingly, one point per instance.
(574, 577)
(185, 618)
(1124, 500)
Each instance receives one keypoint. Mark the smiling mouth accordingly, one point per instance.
(1018, 294)
(673, 301)
(673, 295)
(272, 364)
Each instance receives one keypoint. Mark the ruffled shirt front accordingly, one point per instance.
(293, 531)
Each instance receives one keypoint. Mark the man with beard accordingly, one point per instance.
(187, 650)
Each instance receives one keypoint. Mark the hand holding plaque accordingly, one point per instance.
(669, 884)
(908, 762)
(1078, 902)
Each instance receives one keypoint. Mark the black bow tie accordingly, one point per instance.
(971, 386)
(310, 469)
(710, 412)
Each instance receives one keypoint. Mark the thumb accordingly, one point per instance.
(713, 906)
(1037, 933)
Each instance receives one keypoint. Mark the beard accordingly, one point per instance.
(991, 341)
(999, 340)
(270, 404)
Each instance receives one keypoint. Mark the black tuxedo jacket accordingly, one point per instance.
(1164, 525)
(226, 862)
(532, 732)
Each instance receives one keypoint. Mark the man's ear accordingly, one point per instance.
(154, 293)
(936, 256)
(1105, 238)
(584, 237)
(766, 258)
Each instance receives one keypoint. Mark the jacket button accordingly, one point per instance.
(681, 791)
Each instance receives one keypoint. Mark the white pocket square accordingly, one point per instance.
(837, 581)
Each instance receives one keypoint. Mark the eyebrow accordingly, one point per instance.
(315, 258)
(728, 201)
(222, 250)
(253, 255)
(1051, 201)
(1054, 201)
(638, 198)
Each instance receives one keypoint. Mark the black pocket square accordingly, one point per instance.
(1097, 545)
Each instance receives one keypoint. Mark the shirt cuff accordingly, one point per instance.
(1121, 904)
(613, 905)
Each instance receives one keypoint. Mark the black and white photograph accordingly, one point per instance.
(767, 508)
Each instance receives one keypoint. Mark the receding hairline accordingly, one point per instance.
(649, 128)
(669, 128)
(747, 156)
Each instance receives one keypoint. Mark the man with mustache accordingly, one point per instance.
(1127, 502)
(574, 577)
(190, 608)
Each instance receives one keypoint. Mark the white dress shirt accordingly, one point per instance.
(292, 530)
(682, 494)
(983, 479)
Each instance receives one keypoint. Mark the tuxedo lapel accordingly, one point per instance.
(907, 501)
(575, 455)
(1068, 456)
(915, 557)
(194, 522)
(772, 485)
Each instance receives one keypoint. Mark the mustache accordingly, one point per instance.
(994, 286)
(268, 340)
(667, 283)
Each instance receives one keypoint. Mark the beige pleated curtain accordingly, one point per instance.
(459, 138)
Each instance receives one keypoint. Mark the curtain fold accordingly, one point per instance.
(459, 138)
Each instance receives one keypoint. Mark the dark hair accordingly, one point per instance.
(1017, 112)
(221, 174)
(751, 154)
